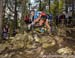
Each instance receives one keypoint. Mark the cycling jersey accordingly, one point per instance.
(36, 14)
(43, 14)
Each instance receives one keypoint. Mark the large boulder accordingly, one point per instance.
(61, 32)
(3, 46)
(59, 40)
(65, 50)
(47, 41)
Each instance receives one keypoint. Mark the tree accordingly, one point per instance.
(61, 4)
(1, 8)
(24, 13)
(15, 15)
(49, 6)
(4, 7)
(73, 8)
(66, 6)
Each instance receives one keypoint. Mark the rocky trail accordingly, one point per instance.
(36, 45)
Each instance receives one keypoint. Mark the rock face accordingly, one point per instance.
(33, 46)
(65, 50)
(61, 32)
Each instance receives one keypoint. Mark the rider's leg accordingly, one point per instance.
(33, 23)
(47, 25)
(41, 22)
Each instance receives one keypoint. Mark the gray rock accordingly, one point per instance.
(65, 50)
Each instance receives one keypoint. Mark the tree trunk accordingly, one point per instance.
(5, 21)
(66, 6)
(49, 6)
(73, 8)
(24, 13)
(40, 5)
(15, 16)
(1, 8)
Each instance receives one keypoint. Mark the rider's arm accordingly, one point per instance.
(39, 17)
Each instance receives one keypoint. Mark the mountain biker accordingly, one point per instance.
(41, 18)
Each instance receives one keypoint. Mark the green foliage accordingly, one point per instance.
(11, 25)
(24, 13)
(54, 7)
(57, 7)
(43, 4)
(61, 4)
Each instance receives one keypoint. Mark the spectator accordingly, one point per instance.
(5, 32)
